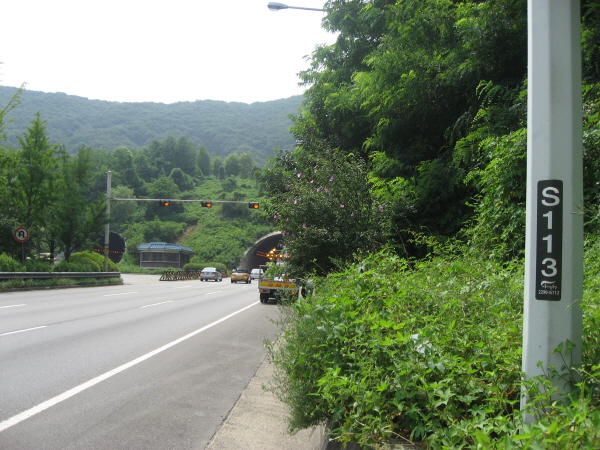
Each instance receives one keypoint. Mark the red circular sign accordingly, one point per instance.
(21, 234)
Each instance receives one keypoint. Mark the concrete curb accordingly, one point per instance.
(258, 422)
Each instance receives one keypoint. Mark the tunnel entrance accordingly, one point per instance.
(257, 254)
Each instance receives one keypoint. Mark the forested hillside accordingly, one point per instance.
(416, 126)
(222, 127)
(61, 198)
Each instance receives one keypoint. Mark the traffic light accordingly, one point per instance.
(253, 205)
(164, 203)
(207, 204)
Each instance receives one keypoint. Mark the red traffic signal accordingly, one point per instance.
(207, 204)
(253, 205)
(164, 203)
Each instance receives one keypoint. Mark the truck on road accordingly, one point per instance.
(274, 288)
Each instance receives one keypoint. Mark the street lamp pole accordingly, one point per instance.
(554, 221)
(274, 6)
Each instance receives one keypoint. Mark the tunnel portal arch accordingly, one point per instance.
(254, 255)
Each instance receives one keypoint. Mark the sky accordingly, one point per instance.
(159, 51)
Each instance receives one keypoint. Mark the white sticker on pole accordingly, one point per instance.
(548, 264)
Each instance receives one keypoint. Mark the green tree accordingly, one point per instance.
(325, 209)
(402, 79)
(183, 181)
(121, 163)
(32, 180)
(145, 166)
(124, 212)
(13, 102)
(232, 165)
(247, 165)
(74, 217)
(8, 219)
(163, 188)
(217, 163)
(184, 156)
(203, 161)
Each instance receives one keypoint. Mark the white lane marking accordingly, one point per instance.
(21, 331)
(154, 304)
(210, 293)
(88, 384)
(122, 293)
(11, 306)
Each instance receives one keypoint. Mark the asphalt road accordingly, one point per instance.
(148, 365)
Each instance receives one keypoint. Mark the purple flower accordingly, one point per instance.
(327, 191)
(287, 219)
(352, 215)
(274, 216)
(318, 189)
(381, 208)
(299, 175)
(341, 206)
(295, 202)
(312, 181)
(330, 178)
(303, 225)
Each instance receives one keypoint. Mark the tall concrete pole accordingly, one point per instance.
(554, 224)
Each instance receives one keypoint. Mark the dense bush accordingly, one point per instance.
(37, 265)
(85, 262)
(193, 266)
(427, 351)
(7, 264)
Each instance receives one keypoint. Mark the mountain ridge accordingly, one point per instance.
(223, 127)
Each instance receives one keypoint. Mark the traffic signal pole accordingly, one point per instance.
(554, 220)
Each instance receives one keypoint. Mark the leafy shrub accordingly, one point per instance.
(94, 260)
(193, 266)
(84, 266)
(36, 265)
(7, 264)
(426, 351)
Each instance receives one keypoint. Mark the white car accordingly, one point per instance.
(211, 273)
(256, 274)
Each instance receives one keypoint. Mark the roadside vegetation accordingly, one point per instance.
(79, 262)
(429, 351)
(404, 203)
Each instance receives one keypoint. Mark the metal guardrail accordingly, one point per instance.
(50, 275)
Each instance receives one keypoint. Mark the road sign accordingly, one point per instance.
(21, 234)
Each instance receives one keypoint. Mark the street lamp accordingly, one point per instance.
(274, 6)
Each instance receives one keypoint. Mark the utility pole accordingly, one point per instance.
(554, 220)
(107, 226)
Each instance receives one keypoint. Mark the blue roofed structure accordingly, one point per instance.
(162, 255)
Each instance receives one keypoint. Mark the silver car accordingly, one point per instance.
(211, 273)
(256, 274)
